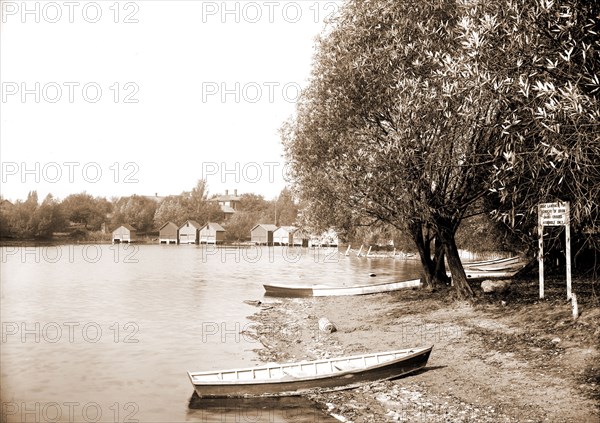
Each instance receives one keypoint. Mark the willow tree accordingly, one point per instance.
(544, 57)
(396, 124)
(416, 110)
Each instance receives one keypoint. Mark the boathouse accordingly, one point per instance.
(262, 234)
(168, 233)
(300, 238)
(124, 234)
(284, 235)
(189, 232)
(212, 233)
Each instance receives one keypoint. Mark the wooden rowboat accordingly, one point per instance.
(325, 375)
(505, 260)
(504, 268)
(491, 274)
(480, 274)
(332, 291)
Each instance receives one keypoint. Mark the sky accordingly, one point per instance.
(145, 97)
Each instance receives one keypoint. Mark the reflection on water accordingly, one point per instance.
(259, 410)
(107, 333)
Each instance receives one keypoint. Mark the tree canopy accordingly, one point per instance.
(412, 114)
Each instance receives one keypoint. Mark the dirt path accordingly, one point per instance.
(490, 363)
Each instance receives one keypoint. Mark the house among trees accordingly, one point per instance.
(5, 205)
(212, 233)
(228, 203)
(168, 233)
(189, 232)
(262, 234)
(124, 234)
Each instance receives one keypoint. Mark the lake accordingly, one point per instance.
(107, 333)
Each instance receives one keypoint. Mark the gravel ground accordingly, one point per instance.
(493, 362)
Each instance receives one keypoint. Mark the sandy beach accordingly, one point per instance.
(504, 358)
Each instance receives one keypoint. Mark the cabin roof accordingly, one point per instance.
(267, 226)
(288, 229)
(126, 226)
(192, 223)
(214, 225)
(227, 209)
(168, 223)
(227, 198)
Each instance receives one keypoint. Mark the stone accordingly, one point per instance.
(498, 286)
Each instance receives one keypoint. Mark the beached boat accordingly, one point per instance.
(479, 274)
(288, 379)
(275, 290)
(497, 265)
(501, 268)
(493, 262)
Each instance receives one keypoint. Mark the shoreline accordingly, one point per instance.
(492, 362)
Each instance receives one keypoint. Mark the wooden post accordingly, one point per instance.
(369, 252)
(347, 250)
(541, 252)
(568, 251)
(358, 254)
(575, 306)
(394, 253)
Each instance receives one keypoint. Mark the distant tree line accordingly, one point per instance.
(81, 215)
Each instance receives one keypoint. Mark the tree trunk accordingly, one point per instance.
(416, 233)
(459, 277)
(439, 259)
(434, 272)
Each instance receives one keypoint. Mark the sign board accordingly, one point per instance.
(553, 214)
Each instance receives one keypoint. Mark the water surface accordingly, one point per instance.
(107, 333)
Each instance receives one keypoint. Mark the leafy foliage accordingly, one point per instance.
(84, 209)
(136, 210)
(29, 219)
(192, 205)
(416, 111)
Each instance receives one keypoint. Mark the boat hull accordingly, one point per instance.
(298, 386)
(334, 291)
(285, 291)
